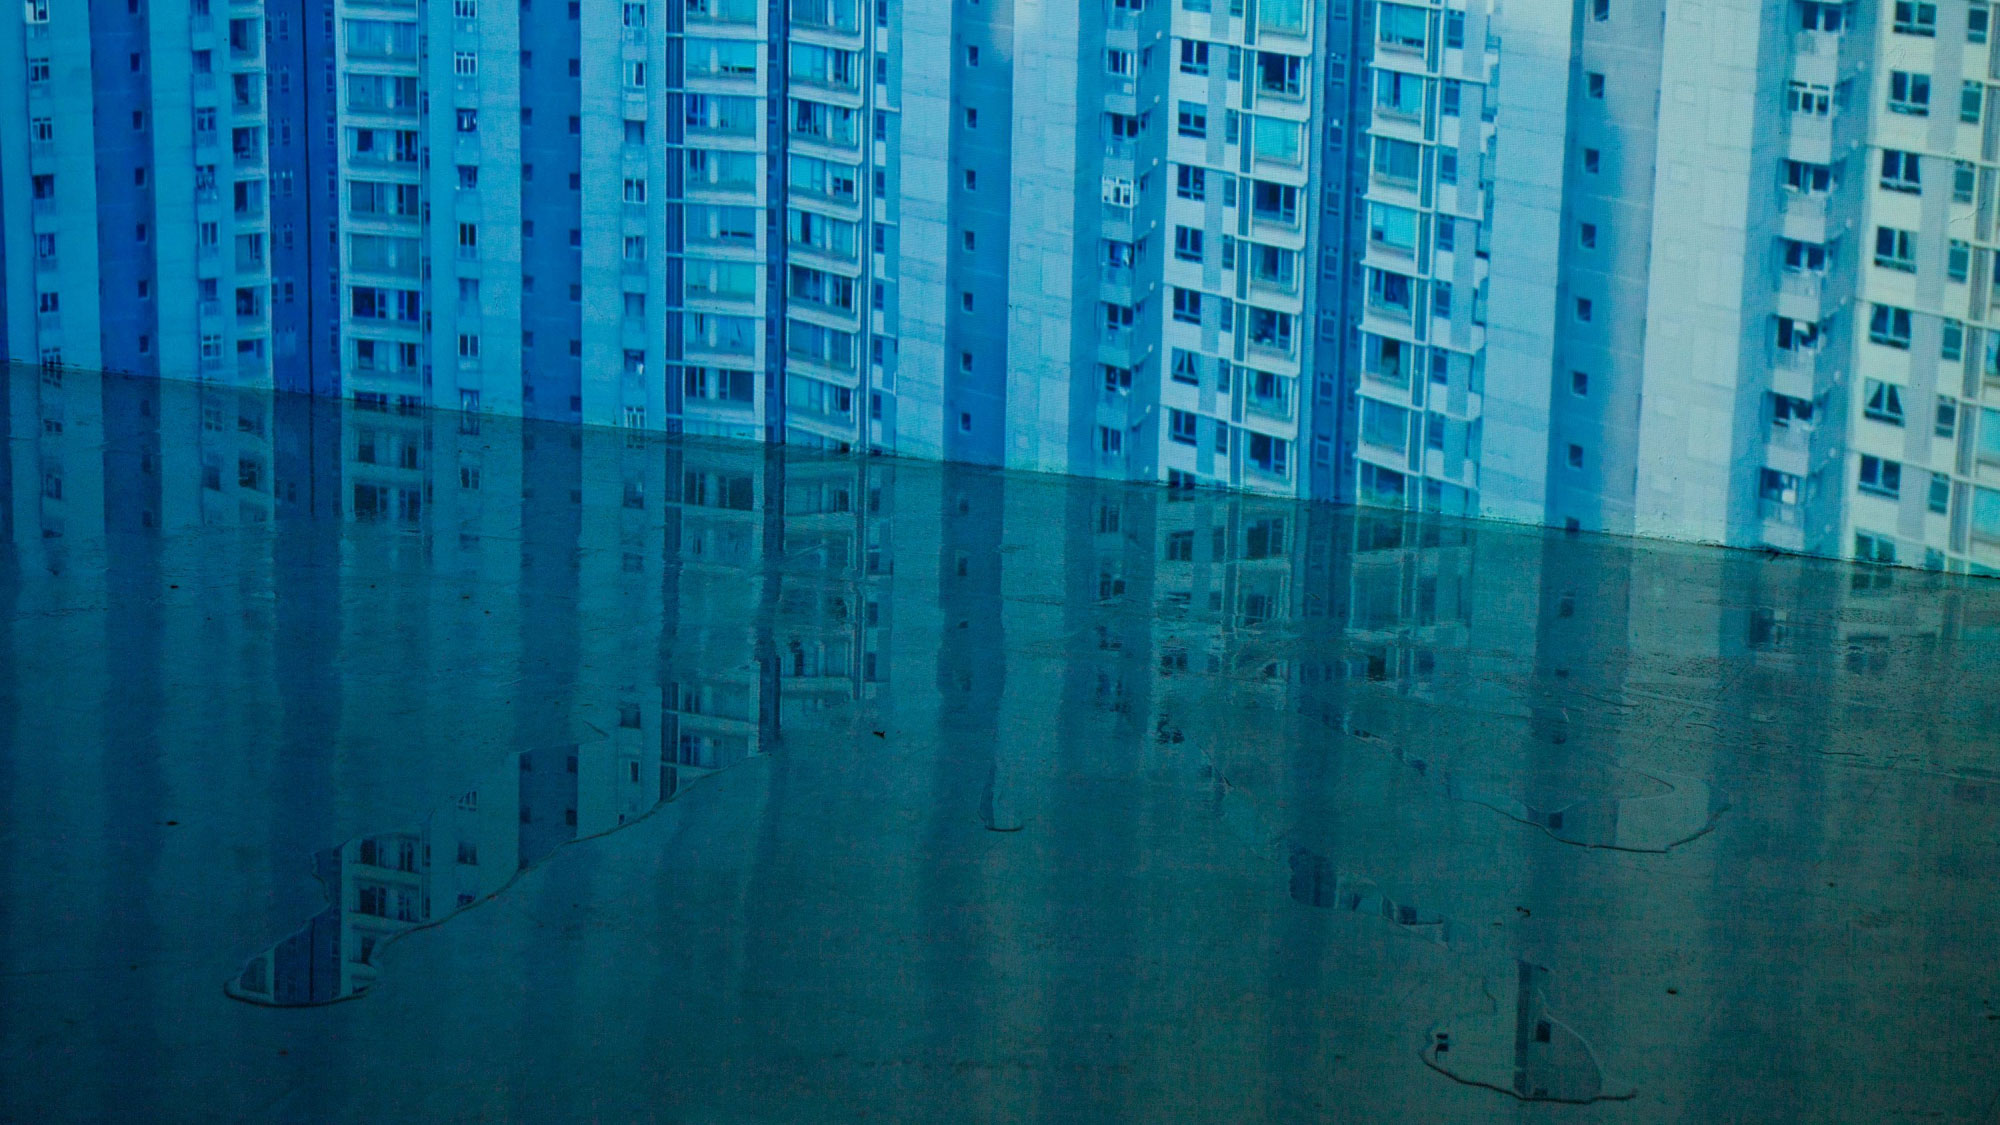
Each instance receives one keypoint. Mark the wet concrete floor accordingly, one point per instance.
(358, 765)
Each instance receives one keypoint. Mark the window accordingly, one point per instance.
(1187, 306)
(1963, 179)
(1971, 97)
(1584, 309)
(1401, 28)
(1399, 94)
(1192, 120)
(971, 180)
(1909, 92)
(468, 346)
(1187, 244)
(1889, 326)
(1280, 75)
(1958, 260)
(1186, 368)
(464, 64)
(1946, 423)
(1575, 456)
(1447, 166)
(1181, 426)
(1896, 249)
(1396, 160)
(1579, 383)
(1117, 380)
(1450, 94)
(1190, 182)
(1951, 344)
(1600, 10)
(1807, 178)
(1593, 84)
(1591, 160)
(635, 191)
(971, 118)
(1394, 228)
(1803, 257)
(1441, 298)
(965, 300)
(1900, 171)
(1879, 476)
(1940, 498)
(468, 121)
(1975, 24)
(1194, 57)
(1271, 455)
(972, 56)
(1884, 402)
(1110, 440)
(1916, 17)
(1808, 98)
(1873, 548)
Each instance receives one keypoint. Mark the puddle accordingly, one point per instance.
(468, 849)
(1596, 804)
(1521, 1048)
(1672, 813)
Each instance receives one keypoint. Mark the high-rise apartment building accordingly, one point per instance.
(1709, 271)
(135, 187)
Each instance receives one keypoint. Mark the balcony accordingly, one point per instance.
(1278, 406)
(1777, 513)
(1795, 371)
(1788, 448)
(1810, 138)
(725, 13)
(1804, 215)
(1801, 293)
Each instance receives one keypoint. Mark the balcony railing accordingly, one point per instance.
(1792, 437)
(1776, 511)
(1803, 284)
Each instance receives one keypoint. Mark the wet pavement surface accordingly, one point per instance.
(358, 765)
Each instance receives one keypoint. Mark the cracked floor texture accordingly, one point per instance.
(362, 766)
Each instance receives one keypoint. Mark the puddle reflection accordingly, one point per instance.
(1379, 721)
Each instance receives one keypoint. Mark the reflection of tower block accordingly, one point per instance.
(385, 889)
(831, 549)
(385, 461)
(1408, 593)
(711, 725)
(1551, 1062)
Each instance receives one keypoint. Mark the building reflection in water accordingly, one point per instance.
(590, 620)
